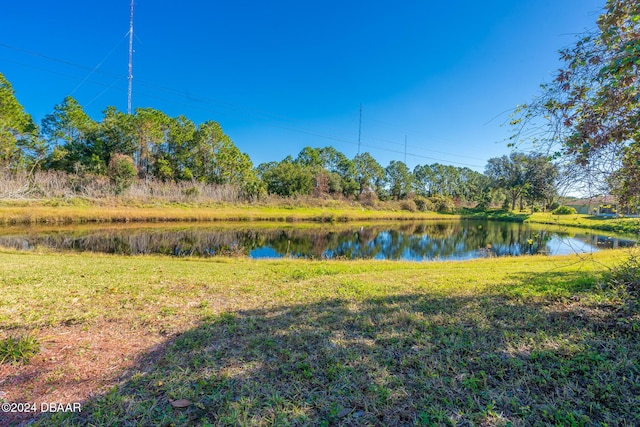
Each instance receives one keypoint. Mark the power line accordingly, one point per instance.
(48, 70)
(102, 93)
(49, 58)
(207, 101)
(421, 148)
(96, 67)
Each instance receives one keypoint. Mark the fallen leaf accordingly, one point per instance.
(181, 403)
(344, 412)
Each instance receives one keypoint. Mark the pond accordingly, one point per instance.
(416, 241)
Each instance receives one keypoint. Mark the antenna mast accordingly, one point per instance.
(130, 59)
(405, 149)
(359, 129)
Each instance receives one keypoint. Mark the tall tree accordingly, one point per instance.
(341, 166)
(424, 180)
(474, 186)
(115, 134)
(172, 158)
(591, 111)
(216, 159)
(71, 135)
(450, 181)
(150, 129)
(310, 157)
(523, 176)
(310, 160)
(627, 179)
(19, 141)
(332, 170)
(508, 173)
(540, 178)
(368, 173)
(399, 179)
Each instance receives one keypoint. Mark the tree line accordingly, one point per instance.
(583, 127)
(148, 144)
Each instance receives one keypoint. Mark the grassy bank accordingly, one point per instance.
(615, 225)
(79, 210)
(155, 341)
(83, 211)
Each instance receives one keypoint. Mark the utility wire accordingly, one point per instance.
(426, 149)
(206, 102)
(97, 66)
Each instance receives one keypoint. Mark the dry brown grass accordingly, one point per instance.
(43, 185)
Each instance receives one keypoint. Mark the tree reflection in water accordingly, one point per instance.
(442, 240)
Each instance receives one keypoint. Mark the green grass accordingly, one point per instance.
(615, 225)
(511, 341)
(18, 349)
(494, 214)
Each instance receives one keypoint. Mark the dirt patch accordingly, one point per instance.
(74, 364)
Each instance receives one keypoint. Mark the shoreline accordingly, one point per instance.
(84, 211)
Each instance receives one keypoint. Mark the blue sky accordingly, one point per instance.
(280, 75)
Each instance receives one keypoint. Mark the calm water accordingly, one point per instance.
(392, 241)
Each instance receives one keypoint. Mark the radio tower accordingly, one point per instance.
(130, 59)
(359, 129)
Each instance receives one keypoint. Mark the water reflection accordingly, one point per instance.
(391, 241)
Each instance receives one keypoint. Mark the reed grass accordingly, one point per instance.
(83, 211)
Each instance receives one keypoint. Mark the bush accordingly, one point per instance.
(191, 192)
(443, 204)
(423, 204)
(627, 275)
(553, 206)
(253, 189)
(564, 210)
(121, 172)
(408, 205)
(368, 199)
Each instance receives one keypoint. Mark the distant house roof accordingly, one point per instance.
(598, 200)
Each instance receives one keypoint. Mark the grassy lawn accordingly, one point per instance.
(160, 341)
(616, 225)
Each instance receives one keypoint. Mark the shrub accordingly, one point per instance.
(552, 206)
(368, 198)
(443, 204)
(253, 189)
(564, 210)
(191, 192)
(506, 205)
(627, 275)
(423, 204)
(121, 172)
(408, 205)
